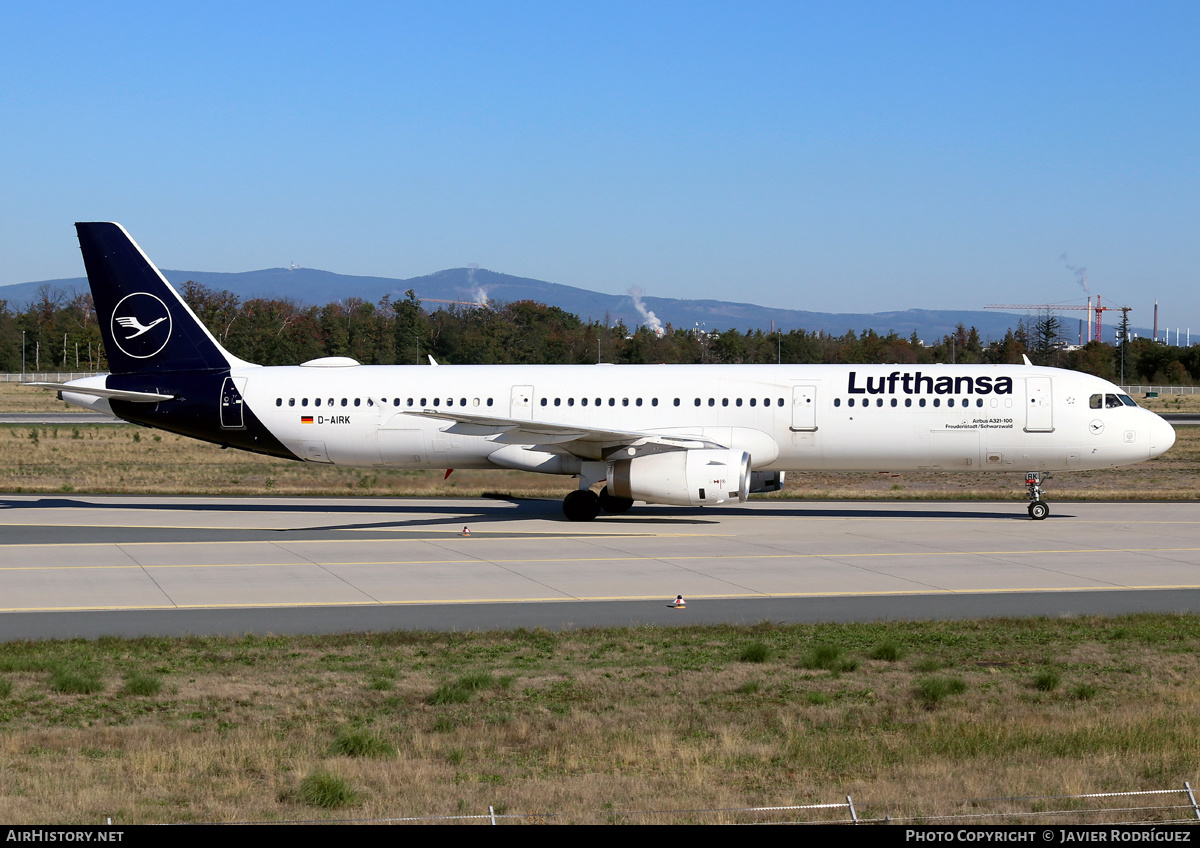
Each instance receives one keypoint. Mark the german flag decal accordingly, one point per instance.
(306, 419)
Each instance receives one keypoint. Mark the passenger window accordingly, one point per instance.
(558, 401)
(279, 401)
(836, 401)
(677, 401)
(422, 403)
(937, 401)
(612, 401)
(950, 402)
(624, 402)
(436, 401)
(878, 401)
(291, 401)
(570, 401)
(583, 401)
(489, 401)
(754, 401)
(850, 402)
(893, 401)
(344, 402)
(639, 401)
(475, 402)
(450, 401)
(712, 401)
(358, 402)
(739, 401)
(543, 401)
(922, 401)
(724, 401)
(908, 401)
(304, 401)
(697, 401)
(654, 402)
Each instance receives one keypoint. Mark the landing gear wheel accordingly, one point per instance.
(1039, 510)
(581, 505)
(612, 504)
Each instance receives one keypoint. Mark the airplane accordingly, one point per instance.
(685, 435)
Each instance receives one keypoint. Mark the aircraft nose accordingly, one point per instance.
(1162, 436)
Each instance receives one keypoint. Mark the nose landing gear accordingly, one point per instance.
(1038, 508)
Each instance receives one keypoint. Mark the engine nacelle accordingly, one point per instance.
(683, 478)
(765, 481)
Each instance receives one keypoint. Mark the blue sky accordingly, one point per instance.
(827, 156)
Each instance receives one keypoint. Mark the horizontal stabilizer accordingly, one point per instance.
(107, 394)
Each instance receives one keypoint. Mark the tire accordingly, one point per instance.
(614, 505)
(1038, 510)
(581, 505)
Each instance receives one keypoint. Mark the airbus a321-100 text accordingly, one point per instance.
(688, 435)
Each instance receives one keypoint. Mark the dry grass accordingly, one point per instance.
(127, 459)
(585, 724)
(1170, 403)
(17, 398)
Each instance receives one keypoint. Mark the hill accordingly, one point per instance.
(313, 286)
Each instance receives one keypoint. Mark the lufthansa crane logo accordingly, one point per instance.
(141, 325)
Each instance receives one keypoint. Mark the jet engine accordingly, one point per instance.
(683, 478)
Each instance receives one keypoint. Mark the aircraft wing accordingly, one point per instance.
(524, 432)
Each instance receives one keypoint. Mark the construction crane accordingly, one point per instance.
(1097, 310)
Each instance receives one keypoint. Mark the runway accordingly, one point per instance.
(89, 566)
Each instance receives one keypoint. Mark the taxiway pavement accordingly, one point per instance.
(90, 566)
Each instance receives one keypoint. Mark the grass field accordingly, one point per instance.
(124, 459)
(910, 720)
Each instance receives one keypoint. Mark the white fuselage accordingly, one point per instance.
(787, 417)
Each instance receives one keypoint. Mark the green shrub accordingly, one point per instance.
(1046, 680)
(322, 789)
(76, 680)
(142, 684)
(933, 690)
(756, 652)
(359, 743)
(887, 651)
(829, 658)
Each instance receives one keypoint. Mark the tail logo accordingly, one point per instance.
(141, 325)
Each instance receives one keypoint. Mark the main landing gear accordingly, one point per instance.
(584, 504)
(1038, 508)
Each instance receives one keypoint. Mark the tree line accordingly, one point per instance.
(59, 330)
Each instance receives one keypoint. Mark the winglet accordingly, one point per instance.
(1026, 358)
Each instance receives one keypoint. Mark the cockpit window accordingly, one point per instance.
(1127, 400)
(1096, 401)
(1112, 402)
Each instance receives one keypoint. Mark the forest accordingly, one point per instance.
(58, 330)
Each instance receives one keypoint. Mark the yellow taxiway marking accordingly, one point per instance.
(482, 561)
(563, 598)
